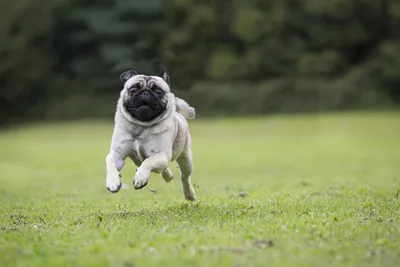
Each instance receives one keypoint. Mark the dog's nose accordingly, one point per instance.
(146, 94)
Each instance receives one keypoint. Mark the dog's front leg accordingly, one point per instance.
(157, 163)
(114, 163)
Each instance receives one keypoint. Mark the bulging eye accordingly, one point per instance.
(133, 89)
(158, 91)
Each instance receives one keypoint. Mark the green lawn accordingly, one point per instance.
(274, 191)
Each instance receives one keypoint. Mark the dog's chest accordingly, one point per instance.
(139, 149)
(144, 145)
(136, 151)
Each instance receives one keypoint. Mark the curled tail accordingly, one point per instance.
(183, 108)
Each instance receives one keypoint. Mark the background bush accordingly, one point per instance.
(62, 59)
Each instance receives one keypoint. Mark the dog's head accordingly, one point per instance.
(146, 99)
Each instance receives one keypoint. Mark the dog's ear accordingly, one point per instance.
(163, 74)
(127, 75)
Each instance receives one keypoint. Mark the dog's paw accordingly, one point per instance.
(189, 193)
(141, 178)
(167, 175)
(139, 184)
(113, 183)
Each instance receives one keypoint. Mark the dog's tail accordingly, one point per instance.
(184, 108)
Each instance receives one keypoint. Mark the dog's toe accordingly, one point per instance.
(189, 193)
(141, 178)
(137, 184)
(190, 197)
(114, 188)
(167, 175)
(113, 183)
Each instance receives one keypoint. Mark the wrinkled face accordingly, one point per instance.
(145, 97)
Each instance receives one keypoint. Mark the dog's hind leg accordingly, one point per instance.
(185, 162)
(167, 175)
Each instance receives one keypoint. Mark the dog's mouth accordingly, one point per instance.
(145, 109)
(144, 113)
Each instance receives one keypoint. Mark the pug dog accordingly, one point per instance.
(151, 128)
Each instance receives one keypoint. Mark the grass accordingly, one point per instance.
(318, 190)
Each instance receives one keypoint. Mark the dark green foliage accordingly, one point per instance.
(107, 37)
(24, 62)
(62, 59)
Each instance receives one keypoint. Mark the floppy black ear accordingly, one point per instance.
(163, 74)
(127, 75)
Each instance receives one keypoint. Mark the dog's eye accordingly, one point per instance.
(158, 91)
(133, 89)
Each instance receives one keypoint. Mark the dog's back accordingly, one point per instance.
(183, 108)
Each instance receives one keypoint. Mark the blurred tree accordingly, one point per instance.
(255, 40)
(192, 27)
(63, 58)
(104, 38)
(25, 62)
